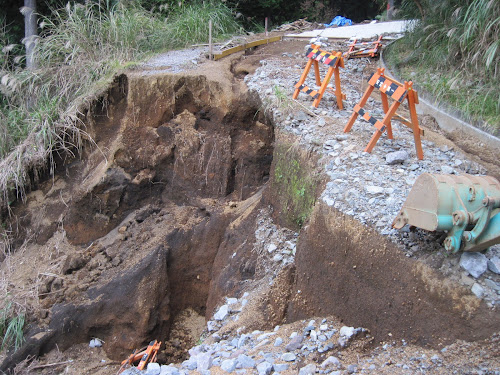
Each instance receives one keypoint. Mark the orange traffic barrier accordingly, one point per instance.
(145, 356)
(366, 49)
(398, 92)
(334, 60)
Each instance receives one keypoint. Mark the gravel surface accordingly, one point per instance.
(175, 61)
(370, 187)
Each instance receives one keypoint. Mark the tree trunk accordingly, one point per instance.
(30, 31)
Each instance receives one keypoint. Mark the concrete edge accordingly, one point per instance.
(446, 121)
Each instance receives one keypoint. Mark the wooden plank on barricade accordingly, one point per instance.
(335, 61)
(389, 88)
(246, 46)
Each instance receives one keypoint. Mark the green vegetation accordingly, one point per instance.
(295, 184)
(282, 100)
(79, 49)
(454, 53)
(11, 327)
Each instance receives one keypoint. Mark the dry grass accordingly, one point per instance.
(79, 50)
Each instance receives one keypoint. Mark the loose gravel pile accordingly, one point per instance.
(307, 347)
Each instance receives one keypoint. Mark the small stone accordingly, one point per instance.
(446, 169)
(245, 361)
(190, 364)
(278, 367)
(203, 361)
(330, 361)
(301, 116)
(397, 157)
(491, 284)
(478, 290)
(228, 365)
(222, 312)
(494, 265)
(278, 341)
(169, 370)
(264, 368)
(351, 369)
(231, 301)
(95, 343)
(211, 326)
(243, 340)
(153, 369)
(308, 370)
(295, 343)
(313, 335)
(347, 332)
(435, 358)
(374, 189)
(278, 258)
(474, 263)
(341, 137)
(288, 357)
(271, 248)
(132, 371)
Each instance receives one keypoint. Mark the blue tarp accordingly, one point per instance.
(339, 21)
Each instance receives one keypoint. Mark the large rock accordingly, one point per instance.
(474, 263)
(494, 265)
(397, 157)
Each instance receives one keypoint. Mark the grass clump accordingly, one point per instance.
(11, 327)
(453, 51)
(294, 183)
(189, 23)
(79, 49)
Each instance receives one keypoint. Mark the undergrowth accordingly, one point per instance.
(295, 184)
(79, 49)
(453, 51)
(11, 327)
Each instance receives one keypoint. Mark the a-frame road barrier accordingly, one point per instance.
(398, 92)
(335, 61)
(366, 49)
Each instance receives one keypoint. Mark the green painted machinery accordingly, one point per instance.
(466, 206)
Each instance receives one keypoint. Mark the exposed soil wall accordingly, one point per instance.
(345, 269)
(127, 236)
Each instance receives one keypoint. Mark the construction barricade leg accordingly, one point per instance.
(397, 92)
(335, 61)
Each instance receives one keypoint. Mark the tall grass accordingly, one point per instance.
(458, 42)
(189, 23)
(11, 327)
(80, 47)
